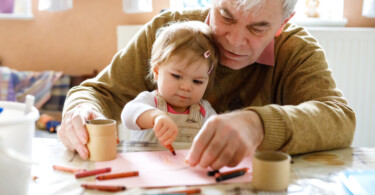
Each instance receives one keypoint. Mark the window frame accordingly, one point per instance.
(25, 15)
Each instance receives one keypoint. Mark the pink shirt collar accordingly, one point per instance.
(171, 110)
(268, 55)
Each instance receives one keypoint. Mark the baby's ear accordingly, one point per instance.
(155, 71)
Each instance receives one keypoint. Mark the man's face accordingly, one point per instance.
(242, 35)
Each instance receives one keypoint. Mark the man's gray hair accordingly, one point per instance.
(287, 5)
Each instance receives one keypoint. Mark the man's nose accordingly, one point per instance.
(236, 37)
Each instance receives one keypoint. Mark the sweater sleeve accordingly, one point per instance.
(310, 113)
(133, 109)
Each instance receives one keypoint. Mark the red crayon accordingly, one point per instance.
(67, 169)
(188, 191)
(218, 174)
(92, 172)
(170, 148)
(117, 175)
(103, 187)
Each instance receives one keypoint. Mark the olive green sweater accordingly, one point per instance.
(297, 99)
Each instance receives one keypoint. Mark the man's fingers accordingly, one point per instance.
(82, 151)
(226, 155)
(95, 115)
(74, 140)
(213, 150)
(80, 129)
(237, 158)
(64, 139)
(200, 142)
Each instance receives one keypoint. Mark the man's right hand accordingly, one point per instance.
(73, 133)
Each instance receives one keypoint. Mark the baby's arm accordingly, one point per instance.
(143, 102)
(141, 113)
(164, 128)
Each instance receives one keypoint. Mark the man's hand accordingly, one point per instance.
(226, 139)
(165, 129)
(73, 133)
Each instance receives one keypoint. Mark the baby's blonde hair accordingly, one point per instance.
(177, 37)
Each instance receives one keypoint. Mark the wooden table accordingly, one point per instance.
(314, 173)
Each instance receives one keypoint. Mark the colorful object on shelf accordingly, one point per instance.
(47, 122)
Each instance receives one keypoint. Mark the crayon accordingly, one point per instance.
(117, 175)
(67, 169)
(229, 176)
(218, 174)
(170, 148)
(212, 173)
(92, 172)
(34, 178)
(1, 110)
(107, 188)
(187, 191)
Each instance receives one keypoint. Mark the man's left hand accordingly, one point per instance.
(226, 139)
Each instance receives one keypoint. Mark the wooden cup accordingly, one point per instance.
(271, 171)
(102, 143)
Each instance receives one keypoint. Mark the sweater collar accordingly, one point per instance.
(268, 55)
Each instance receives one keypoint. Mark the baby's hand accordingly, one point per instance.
(165, 129)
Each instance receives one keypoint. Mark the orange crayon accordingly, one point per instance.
(218, 174)
(34, 178)
(67, 169)
(170, 148)
(92, 172)
(188, 191)
(107, 188)
(117, 175)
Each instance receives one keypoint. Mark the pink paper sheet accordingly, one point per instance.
(161, 168)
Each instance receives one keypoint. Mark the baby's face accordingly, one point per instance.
(182, 84)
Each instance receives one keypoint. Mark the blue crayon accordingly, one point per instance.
(1, 110)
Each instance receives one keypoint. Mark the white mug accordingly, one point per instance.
(17, 129)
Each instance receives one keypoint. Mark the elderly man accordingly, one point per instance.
(273, 77)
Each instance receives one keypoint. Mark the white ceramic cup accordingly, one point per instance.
(271, 171)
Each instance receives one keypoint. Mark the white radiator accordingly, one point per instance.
(351, 56)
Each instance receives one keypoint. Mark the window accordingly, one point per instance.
(15, 9)
(319, 13)
(308, 12)
(180, 4)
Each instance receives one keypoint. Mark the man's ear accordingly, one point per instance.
(282, 26)
(155, 71)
